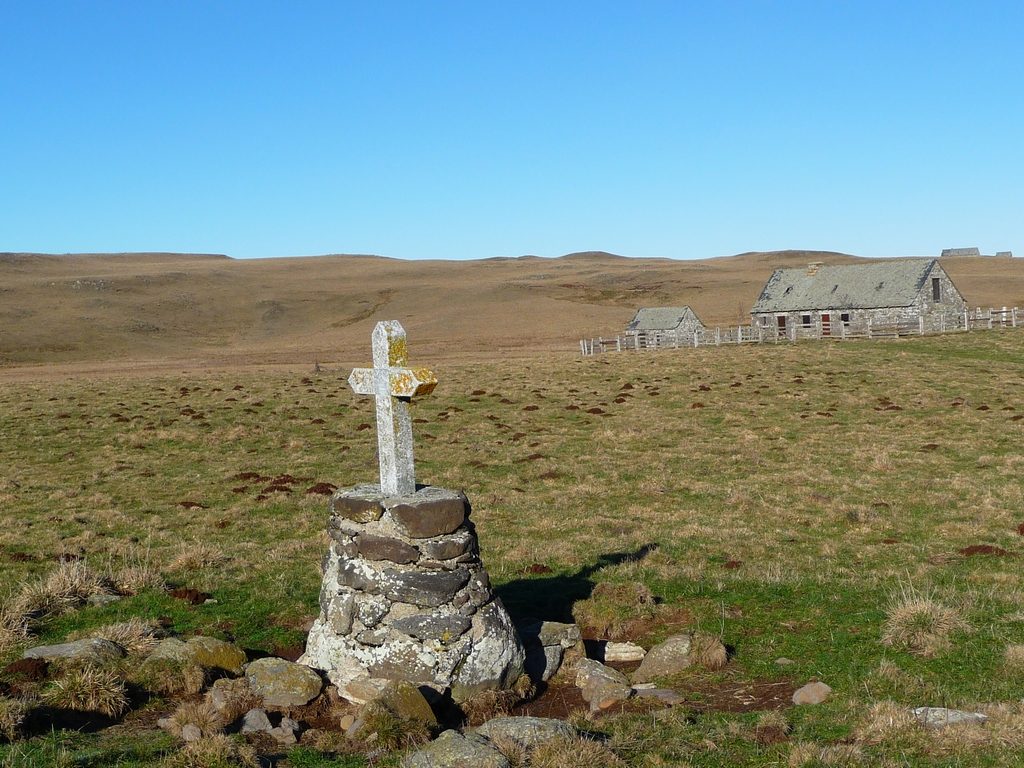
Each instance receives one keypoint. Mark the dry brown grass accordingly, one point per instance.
(12, 715)
(488, 705)
(385, 729)
(168, 677)
(218, 751)
(917, 622)
(201, 714)
(708, 651)
(578, 752)
(88, 689)
(1013, 658)
(137, 636)
(612, 610)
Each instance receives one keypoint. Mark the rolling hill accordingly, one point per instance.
(208, 309)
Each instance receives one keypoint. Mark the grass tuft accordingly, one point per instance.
(918, 623)
(708, 651)
(201, 714)
(217, 751)
(577, 752)
(136, 635)
(388, 730)
(613, 609)
(88, 689)
(12, 715)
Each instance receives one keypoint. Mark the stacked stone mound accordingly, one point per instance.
(406, 597)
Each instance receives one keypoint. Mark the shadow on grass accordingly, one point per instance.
(551, 598)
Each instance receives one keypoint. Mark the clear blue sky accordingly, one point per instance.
(475, 129)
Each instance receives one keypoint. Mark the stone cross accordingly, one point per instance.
(394, 385)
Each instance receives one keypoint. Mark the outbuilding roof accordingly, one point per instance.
(894, 283)
(659, 318)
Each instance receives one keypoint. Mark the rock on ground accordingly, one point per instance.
(92, 651)
(406, 700)
(666, 658)
(601, 686)
(940, 717)
(256, 721)
(496, 659)
(527, 732)
(454, 750)
(283, 684)
(623, 652)
(812, 693)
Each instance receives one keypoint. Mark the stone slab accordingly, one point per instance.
(428, 513)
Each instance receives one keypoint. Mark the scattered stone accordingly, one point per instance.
(212, 653)
(226, 693)
(496, 658)
(550, 633)
(191, 733)
(782, 661)
(455, 750)
(93, 650)
(283, 684)
(601, 686)
(406, 700)
(665, 658)
(527, 732)
(542, 662)
(256, 721)
(285, 733)
(346, 721)
(812, 693)
(363, 689)
(623, 652)
(666, 696)
(940, 717)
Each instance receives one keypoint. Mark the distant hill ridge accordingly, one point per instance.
(203, 307)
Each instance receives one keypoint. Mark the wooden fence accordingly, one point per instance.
(758, 334)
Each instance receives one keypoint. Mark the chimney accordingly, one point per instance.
(814, 266)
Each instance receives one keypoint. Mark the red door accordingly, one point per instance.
(826, 325)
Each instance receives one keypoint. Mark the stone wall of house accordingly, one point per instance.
(937, 314)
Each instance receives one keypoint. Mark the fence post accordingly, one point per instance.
(942, 323)
(920, 324)
(1013, 317)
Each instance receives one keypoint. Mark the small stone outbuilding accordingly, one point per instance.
(681, 321)
(828, 300)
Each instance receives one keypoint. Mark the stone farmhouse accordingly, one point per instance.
(680, 321)
(827, 300)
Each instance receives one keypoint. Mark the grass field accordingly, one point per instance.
(851, 507)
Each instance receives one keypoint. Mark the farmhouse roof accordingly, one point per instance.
(893, 283)
(658, 318)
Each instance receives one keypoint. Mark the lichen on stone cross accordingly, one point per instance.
(393, 384)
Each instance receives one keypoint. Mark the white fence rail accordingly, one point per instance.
(971, 320)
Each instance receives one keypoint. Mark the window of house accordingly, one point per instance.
(806, 320)
(781, 320)
(936, 289)
(845, 318)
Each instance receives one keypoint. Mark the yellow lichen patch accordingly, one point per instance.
(398, 351)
